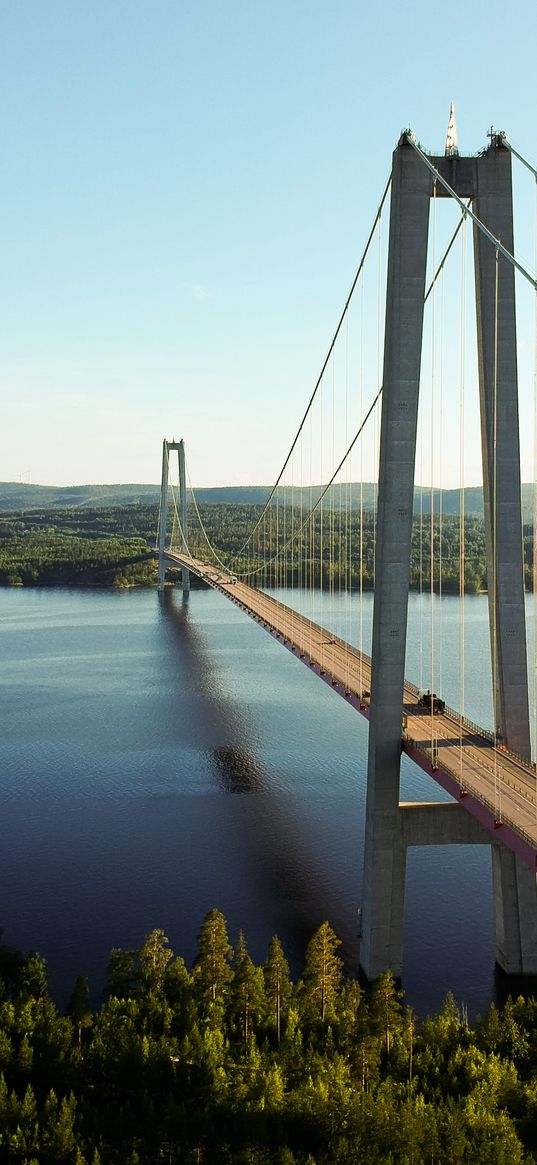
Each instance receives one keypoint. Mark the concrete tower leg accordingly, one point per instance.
(498, 388)
(182, 507)
(515, 891)
(163, 514)
(384, 860)
(515, 913)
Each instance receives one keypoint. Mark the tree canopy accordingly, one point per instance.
(233, 1062)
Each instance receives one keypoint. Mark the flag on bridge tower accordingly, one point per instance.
(452, 146)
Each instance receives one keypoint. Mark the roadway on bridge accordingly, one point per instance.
(497, 778)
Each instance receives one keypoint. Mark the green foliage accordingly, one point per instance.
(33, 977)
(335, 548)
(155, 956)
(107, 547)
(322, 975)
(278, 990)
(247, 999)
(79, 1006)
(212, 969)
(190, 1067)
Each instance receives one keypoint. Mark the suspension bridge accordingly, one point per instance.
(381, 408)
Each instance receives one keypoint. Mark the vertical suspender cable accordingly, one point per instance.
(462, 563)
(420, 577)
(321, 512)
(497, 778)
(432, 468)
(331, 508)
(344, 537)
(440, 497)
(312, 534)
(534, 515)
(361, 567)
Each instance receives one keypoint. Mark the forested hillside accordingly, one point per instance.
(23, 496)
(114, 546)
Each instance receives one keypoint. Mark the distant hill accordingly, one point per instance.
(21, 496)
(16, 495)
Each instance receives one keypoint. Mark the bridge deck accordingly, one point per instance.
(492, 783)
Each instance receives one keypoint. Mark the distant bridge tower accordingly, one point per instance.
(167, 447)
(390, 826)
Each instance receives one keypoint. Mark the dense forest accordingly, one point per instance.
(228, 1061)
(332, 549)
(70, 547)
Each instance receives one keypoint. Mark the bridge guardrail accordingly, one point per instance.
(504, 818)
(410, 688)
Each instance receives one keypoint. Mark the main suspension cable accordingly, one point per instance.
(262, 516)
(518, 155)
(481, 226)
(322, 495)
(214, 552)
(325, 363)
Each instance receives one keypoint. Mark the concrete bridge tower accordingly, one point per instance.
(167, 447)
(390, 826)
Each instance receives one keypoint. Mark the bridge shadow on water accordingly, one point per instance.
(276, 883)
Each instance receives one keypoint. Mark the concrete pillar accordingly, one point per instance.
(515, 889)
(385, 853)
(163, 514)
(498, 389)
(182, 508)
(515, 912)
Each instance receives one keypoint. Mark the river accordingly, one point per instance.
(161, 756)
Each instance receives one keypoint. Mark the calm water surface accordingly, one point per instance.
(163, 756)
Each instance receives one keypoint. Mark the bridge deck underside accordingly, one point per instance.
(493, 784)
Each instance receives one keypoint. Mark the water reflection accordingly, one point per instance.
(238, 771)
(278, 839)
(216, 720)
(181, 706)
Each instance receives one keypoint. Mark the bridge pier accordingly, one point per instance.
(418, 823)
(515, 912)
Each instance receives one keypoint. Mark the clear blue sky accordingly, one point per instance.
(186, 189)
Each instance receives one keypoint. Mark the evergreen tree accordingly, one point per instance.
(11, 962)
(322, 974)
(241, 950)
(247, 997)
(277, 984)
(155, 955)
(122, 973)
(212, 968)
(385, 1007)
(33, 977)
(79, 1007)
